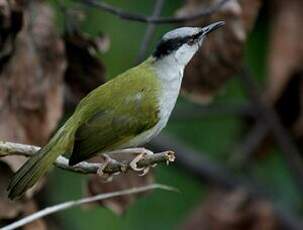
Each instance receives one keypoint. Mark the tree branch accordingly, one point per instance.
(70, 204)
(101, 5)
(10, 148)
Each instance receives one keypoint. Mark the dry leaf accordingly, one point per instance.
(119, 204)
(221, 55)
(233, 210)
(8, 208)
(13, 210)
(11, 21)
(85, 70)
(286, 49)
(30, 207)
(30, 82)
(285, 71)
(32, 64)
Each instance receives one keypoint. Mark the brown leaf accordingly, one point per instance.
(32, 63)
(285, 81)
(286, 49)
(85, 70)
(13, 210)
(233, 210)
(30, 82)
(11, 21)
(221, 55)
(119, 204)
(8, 208)
(30, 207)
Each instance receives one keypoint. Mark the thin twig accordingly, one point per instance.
(70, 204)
(281, 135)
(101, 5)
(150, 30)
(10, 148)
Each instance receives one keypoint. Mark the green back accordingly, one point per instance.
(115, 112)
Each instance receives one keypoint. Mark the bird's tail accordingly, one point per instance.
(36, 166)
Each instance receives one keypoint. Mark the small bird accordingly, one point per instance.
(126, 112)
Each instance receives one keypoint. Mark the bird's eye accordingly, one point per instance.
(191, 41)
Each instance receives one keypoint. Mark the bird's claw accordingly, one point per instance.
(133, 164)
(107, 177)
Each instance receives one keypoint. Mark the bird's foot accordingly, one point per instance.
(108, 177)
(133, 164)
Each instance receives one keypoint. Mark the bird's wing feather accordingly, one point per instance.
(130, 108)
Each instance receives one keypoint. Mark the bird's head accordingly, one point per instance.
(182, 43)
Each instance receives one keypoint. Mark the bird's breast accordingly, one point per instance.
(169, 93)
(167, 98)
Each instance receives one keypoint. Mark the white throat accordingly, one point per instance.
(170, 73)
(169, 70)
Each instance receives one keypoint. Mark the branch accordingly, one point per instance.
(101, 5)
(70, 204)
(10, 148)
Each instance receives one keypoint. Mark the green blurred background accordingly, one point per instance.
(215, 135)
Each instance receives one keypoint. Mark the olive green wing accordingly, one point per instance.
(117, 120)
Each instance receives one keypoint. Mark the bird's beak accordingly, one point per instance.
(212, 27)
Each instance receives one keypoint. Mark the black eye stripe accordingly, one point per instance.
(165, 47)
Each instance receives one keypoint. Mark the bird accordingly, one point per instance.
(125, 112)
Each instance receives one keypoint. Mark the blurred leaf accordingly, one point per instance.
(285, 72)
(8, 208)
(221, 55)
(12, 210)
(233, 210)
(284, 86)
(30, 82)
(30, 207)
(32, 63)
(11, 22)
(97, 185)
(30, 85)
(85, 70)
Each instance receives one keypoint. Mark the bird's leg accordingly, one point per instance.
(106, 176)
(140, 152)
